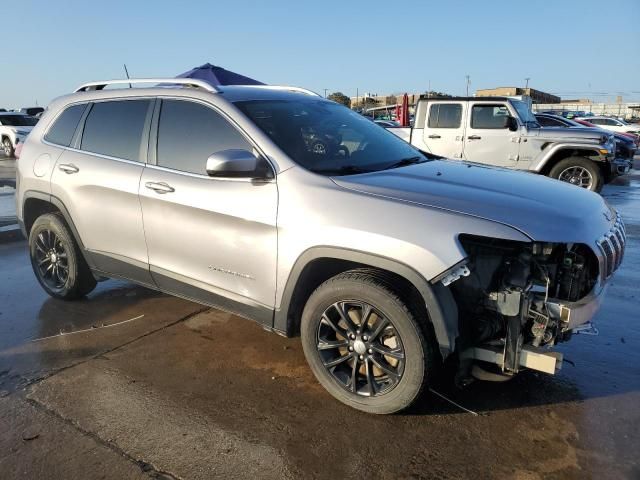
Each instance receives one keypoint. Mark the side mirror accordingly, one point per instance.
(511, 123)
(232, 163)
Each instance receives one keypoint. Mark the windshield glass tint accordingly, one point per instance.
(18, 120)
(328, 138)
(524, 112)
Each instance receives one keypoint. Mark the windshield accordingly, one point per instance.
(328, 138)
(525, 113)
(18, 120)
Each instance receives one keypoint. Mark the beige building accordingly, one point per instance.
(382, 100)
(536, 95)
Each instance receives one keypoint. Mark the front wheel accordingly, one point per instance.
(364, 344)
(56, 259)
(578, 171)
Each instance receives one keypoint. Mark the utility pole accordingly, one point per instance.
(325, 92)
(357, 97)
(468, 82)
(429, 90)
(526, 85)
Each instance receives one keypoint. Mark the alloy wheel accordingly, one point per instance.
(51, 259)
(578, 176)
(7, 147)
(360, 347)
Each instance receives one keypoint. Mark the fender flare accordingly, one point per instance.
(566, 146)
(440, 305)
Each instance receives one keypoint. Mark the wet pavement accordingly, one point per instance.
(130, 383)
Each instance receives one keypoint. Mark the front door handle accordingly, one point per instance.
(160, 187)
(434, 136)
(474, 137)
(68, 168)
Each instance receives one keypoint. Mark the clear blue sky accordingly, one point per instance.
(564, 46)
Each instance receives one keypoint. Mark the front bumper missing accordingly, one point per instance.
(534, 358)
(574, 316)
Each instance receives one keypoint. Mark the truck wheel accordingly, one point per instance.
(578, 171)
(7, 147)
(364, 344)
(57, 261)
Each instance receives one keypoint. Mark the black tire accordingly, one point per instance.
(409, 336)
(7, 147)
(563, 171)
(56, 259)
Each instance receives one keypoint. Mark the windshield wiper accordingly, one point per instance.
(405, 162)
(343, 170)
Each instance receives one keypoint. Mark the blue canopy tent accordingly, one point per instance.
(218, 76)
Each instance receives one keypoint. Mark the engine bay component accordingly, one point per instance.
(454, 274)
(520, 297)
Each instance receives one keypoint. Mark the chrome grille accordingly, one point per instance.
(612, 247)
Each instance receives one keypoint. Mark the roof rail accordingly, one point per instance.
(193, 82)
(292, 89)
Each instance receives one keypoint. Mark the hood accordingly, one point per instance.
(542, 208)
(579, 134)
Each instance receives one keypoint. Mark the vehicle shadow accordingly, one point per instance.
(527, 389)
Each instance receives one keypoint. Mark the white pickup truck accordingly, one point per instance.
(504, 132)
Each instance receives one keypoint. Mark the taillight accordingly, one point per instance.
(18, 150)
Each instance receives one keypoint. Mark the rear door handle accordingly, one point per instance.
(474, 137)
(160, 187)
(434, 136)
(68, 168)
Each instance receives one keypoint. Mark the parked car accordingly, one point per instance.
(33, 111)
(14, 128)
(612, 124)
(626, 143)
(387, 123)
(387, 261)
(504, 132)
(624, 135)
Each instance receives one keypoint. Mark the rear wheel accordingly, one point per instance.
(56, 259)
(364, 344)
(7, 147)
(578, 171)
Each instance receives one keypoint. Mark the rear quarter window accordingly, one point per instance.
(63, 128)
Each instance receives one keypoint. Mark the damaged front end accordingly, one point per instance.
(516, 299)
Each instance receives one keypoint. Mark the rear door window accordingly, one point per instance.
(63, 128)
(115, 128)
(445, 115)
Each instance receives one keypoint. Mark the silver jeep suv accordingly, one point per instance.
(291, 210)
